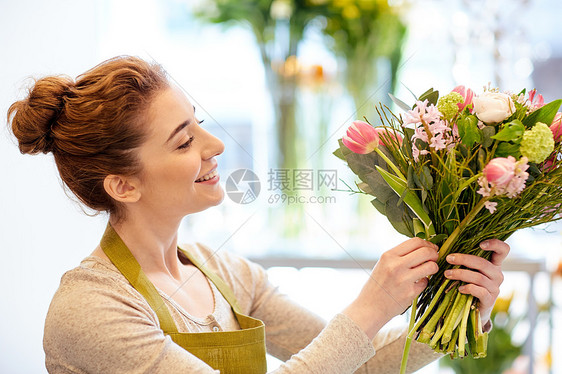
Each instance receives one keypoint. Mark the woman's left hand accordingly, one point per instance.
(483, 277)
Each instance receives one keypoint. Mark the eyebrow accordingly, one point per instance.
(180, 127)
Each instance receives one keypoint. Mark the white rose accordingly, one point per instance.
(493, 107)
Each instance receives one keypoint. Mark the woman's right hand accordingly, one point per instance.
(399, 276)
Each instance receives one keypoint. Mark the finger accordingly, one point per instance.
(486, 298)
(411, 245)
(419, 256)
(422, 271)
(500, 249)
(478, 264)
(420, 285)
(472, 277)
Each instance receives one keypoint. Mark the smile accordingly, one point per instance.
(208, 176)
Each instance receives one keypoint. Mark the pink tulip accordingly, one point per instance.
(500, 171)
(556, 127)
(467, 94)
(361, 138)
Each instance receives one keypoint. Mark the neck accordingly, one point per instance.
(152, 243)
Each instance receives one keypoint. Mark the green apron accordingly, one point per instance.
(231, 352)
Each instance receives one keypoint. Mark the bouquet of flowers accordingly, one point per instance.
(458, 170)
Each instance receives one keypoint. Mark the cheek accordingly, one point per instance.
(171, 173)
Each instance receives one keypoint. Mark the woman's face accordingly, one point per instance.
(176, 158)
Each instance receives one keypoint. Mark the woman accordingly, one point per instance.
(126, 141)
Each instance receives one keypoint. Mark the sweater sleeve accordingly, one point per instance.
(299, 337)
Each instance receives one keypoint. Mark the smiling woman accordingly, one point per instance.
(126, 141)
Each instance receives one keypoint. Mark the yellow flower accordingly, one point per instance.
(351, 12)
(502, 304)
(342, 3)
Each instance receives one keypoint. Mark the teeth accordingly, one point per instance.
(207, 176)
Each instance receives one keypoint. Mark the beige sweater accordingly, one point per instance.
(98, 323)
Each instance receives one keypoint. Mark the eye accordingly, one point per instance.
(200, 122)
(186, 144)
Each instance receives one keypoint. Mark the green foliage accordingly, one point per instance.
(468, 130)
(512, 131)
(545, 114)
(430, 95)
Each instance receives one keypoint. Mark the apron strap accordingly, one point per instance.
(224, 289)
(123, 259)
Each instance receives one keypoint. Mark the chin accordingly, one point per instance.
(220, 199)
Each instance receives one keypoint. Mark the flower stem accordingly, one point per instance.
(409, 337)
(391, 164)
(464, 322)
(430, 307)
(453, 319)
(444, 250)
(429, 328)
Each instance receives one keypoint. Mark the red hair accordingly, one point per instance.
(92, 126)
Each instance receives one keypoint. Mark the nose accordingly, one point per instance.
(212, 147)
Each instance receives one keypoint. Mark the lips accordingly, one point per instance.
(210, 175)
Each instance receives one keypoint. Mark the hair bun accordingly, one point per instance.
(33, 118)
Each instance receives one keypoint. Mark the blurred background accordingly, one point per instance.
(278, 81)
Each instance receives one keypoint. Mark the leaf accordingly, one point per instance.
(431, 96)
(344, 150)
(507, 149)
(380, 206)
(410, 178)
(487, 133)
(426, 179)
(338, 153)
(468, 130)
(437, 239)
(397, 215)
(511, 131)
(379, 188)
(545, 114)
(419, 229)
(361, 164)
(481, 159)
(399, 103)
(365, 188)
(410, 198)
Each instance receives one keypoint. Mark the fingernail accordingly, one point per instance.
(448, 273)
(484, 244)
(451, 258)
(461, 289)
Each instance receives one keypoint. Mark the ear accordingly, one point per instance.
(122, 189)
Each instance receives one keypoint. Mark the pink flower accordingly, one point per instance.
(535, 102)
(504, 177)
(499, 171)
(415, 152)
(422, 112)
(491, 206)
(361, 138)
(467, 95)
(556, 127)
